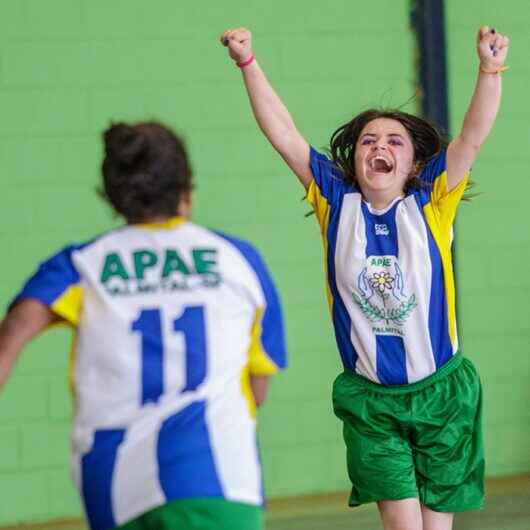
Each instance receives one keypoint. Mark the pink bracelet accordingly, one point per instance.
(246, 63)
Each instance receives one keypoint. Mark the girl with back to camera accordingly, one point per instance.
(178, 330)
(386, 201)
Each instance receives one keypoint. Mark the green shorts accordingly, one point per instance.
(200, 514)
(422, 440)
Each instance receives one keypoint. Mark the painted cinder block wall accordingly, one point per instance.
(68, 67)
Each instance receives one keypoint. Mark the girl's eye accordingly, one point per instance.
(393, 141)
(367, 141)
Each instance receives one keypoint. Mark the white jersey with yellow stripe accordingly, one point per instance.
(171, 321)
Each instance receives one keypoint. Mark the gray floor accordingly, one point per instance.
(512, 513)
(508, 508)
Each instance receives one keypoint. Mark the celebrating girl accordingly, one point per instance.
(386, 200)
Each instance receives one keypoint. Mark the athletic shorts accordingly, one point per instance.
(200, 514)
(422, 440)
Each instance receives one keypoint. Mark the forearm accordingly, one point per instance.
(10, 346)
(22, 323)
(482, 110)
(492, 49)
(271, 114)
(276, 123)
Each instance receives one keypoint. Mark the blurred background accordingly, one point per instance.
(70, 67)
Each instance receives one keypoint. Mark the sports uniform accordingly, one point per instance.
(171, 321)
(392, 301)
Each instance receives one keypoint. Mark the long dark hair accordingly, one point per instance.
(425, 137)
(145, 170)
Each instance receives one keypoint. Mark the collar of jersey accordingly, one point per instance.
(172, 222)
(384, 210)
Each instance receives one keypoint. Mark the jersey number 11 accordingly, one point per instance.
(149, 325)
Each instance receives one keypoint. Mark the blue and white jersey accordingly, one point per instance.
(389, 273)
(171, 321)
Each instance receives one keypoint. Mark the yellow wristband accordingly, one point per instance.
(498, 71)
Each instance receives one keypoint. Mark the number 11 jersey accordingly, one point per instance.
(171, 321)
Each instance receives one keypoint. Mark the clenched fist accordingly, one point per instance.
(239, 43)
(492, 49)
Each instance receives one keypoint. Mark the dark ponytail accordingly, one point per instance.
(145, 170)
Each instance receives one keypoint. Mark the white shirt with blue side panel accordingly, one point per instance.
(171, 321)
(389, 273)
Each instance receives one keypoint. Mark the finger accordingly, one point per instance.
(505, 42)
(495, 43)
(231, 37)
(227, 37)
(240, 35)
(487, 38)
(244, 30)
(482, 32)
(224, 37)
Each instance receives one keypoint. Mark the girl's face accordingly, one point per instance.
(384, 159)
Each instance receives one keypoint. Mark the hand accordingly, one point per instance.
(492, 48)
(239, 43)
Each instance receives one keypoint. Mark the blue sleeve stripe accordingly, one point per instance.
(321, 167)
(273, 333)
(434, 168)
(328, 178)
(53, 277)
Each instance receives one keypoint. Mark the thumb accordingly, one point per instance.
(482, 32)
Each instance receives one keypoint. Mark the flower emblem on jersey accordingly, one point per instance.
(381, 281)
(382, 296)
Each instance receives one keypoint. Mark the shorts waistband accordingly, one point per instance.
(448, 368)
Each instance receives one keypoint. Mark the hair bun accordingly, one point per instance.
(124, 144)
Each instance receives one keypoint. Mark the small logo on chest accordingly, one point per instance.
(381, 230)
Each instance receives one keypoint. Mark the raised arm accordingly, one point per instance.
(271, 114)
(22, 323)
(492, 49)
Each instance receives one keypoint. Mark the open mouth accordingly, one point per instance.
(381, 165)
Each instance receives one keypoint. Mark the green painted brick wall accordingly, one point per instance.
(493, 233)
(68, 67)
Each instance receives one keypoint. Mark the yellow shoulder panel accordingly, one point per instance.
(440, 213)
(322, 209)
(445, 203)
(319, 204)
(68, 305)
(258, 363)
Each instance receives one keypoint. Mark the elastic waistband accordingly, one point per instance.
(448, 368)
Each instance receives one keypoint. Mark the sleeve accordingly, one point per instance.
(267, 352)
(441, 202)
(56, 284)
(326, 187)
